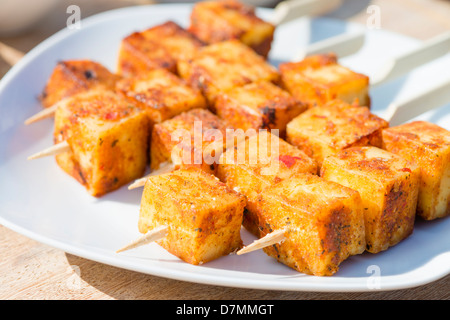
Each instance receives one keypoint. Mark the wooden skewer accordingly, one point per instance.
(164, 168)
(45, 113)
(268, 240)
(9, 54)
(151, 236)
(53, 150)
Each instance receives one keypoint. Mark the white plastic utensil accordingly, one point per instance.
(398, 66)
(403, 111)
(289, 10)
(342, 45)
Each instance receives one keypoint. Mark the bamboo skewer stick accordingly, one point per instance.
(53, 150)
(46, 113)
(272, 238)
(9, 54)
(151, 236)
(165, 168)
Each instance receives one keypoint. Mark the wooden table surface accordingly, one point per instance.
(31, 270)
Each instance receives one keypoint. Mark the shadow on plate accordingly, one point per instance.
(123, 195)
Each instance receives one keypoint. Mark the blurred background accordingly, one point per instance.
(25, 23)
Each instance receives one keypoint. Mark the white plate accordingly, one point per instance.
(39, 201)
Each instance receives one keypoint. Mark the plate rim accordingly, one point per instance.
(394, 284)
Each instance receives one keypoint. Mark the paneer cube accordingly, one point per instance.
(388, 185)
(139, 55)
(320, 78)
(257, 163)
(161, 46)
(193, 138)
(223, 66)
(258, 105)
(75, 76)
(108, 136)
(203, 215)
(323, 220)
(428, 146)
(323, 131)
(217, 21)
(180, 43)
(162, 93)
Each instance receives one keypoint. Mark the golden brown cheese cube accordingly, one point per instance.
(388, 185)
(179, 43)
(108, 137)
(323, 131)
(203, 215)
(193, 138)
(75, 76)
(162, 93)
(161, 46)
(428, 146)
(259, 162)
(258, 105)
(138, 54)
(320, 78)
(225, 65)
(323, 220)
(217, 21)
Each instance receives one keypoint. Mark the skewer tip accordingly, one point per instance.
(266, 241)
(53, 150)
(151, 236)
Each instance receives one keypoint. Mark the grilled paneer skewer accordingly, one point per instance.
(108, 139)
(222, 66)
(259, 162)
(258, 105)
(193, 138)
(322, 222)
(162, 94)
(428, 146)
(161, 46)
(202, 214)
(217, 21)
(325, 130)
(388, 185)
(75, 76)
(69, 78)
(319, 79)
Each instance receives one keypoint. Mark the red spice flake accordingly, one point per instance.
(111, 115)
(288, 160)
(406, 170)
